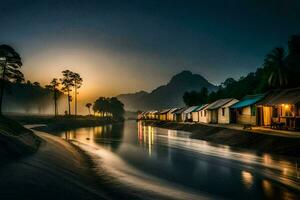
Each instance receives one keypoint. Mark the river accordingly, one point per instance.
(157, 163)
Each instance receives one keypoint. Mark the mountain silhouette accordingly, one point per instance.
(166, 96)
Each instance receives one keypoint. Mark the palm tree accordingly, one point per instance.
(89, 105)
(275, 61)
(10, 63)
(67, 84)
(77, 81)
(54, 88)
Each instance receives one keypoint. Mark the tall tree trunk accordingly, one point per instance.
(2, 87)
(75, 100)
(69, 104)
(55, 103)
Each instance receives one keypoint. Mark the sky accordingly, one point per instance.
(127, 46)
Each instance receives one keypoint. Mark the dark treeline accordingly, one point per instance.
(281, 69)
(109, 107)
(27, 97)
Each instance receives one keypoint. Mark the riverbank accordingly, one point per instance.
(62, 123)
(236, 138)
(15, 140)
(56, 171)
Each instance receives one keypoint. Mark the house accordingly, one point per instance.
(219, 111)
(187, 114)
(170, 114)
(245, 111)
(141, 115)
(163, 114)
(199, 115)
(177, 115)
(280, 108)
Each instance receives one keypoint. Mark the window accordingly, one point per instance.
(223, 111)
(201, 113)
(204, 113)
(275, 112)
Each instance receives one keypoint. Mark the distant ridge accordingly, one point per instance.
(165, 96)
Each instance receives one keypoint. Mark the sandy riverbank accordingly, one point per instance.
(237, 138)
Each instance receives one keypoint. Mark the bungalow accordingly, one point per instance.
(244, 111)
(219, 111)
(177, 115)
(187, 114)
(163, 114)
(280, 108)
(199, 114)
(170, 114)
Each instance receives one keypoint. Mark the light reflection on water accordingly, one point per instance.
(172, 156)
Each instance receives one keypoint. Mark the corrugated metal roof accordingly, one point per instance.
(190, 109)
(248, 101)
(219, 103)
(173, 110)
(200, 108)
(285, 96)
(165, 111)
(179, 111)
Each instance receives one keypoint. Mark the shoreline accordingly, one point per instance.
(241, 139)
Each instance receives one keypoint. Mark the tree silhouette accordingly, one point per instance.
(89, 105)
(67, 84)
(77, 81)
(109, 107)
(195, 98)
(10, 63)
(275, 61)
(54, 88)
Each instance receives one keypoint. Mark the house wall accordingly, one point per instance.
(170, 116)
(163, 117)
(203, 118)
(245, 117)
(213, 116)
(225, 119)
(195, 116)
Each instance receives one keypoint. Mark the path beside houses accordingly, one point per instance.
(259, 139)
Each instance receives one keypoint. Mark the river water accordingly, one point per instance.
(156, 163)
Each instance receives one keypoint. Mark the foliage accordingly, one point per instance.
(53, 87)
(10, 63)
(108, 106)
(89, 105)
(194, 98)
(278, 71)
(67, 84)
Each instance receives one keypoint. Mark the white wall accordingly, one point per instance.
(226, 118)
(195, 116)
(204, 118)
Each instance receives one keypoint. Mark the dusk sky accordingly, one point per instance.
(127, 46)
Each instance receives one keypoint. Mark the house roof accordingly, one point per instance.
(172, 110)
(248, 101)
(219, 103)
(200, 107)
(165, 111)
(190, 109)
(285, 96)
(179, 111)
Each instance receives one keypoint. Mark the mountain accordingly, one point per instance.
(165, 96)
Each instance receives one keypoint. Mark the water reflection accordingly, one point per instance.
(107, 135)
(247, 179)
(190, 163)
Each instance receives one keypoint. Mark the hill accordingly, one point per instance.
(165, 96)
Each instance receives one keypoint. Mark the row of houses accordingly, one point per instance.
(277, 108)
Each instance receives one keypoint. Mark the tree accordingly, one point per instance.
(77, 81)
(275, 61)
(67, 84)
(116, 108)
(194, 98)
(89, 105)
(293, 60)
(10, 63)
(53, 87)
